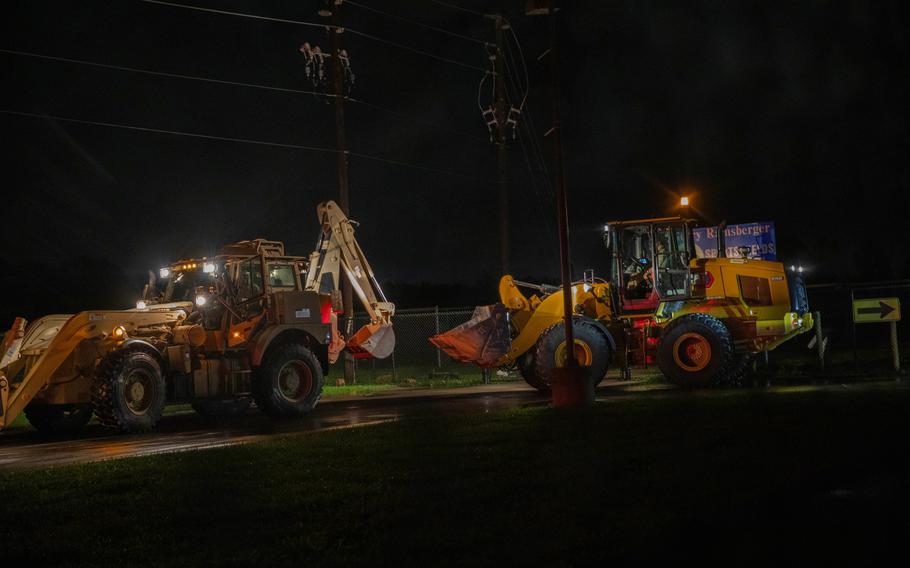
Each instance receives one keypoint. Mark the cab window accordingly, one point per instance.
(282, 276)
(249, 280)
(755, 291)
(671, 254)
(635, 261)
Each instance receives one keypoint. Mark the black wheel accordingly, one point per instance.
(58, 418)
(695, 350)
(289, 381)
(527, 367)
(128, 391)
(216, 409)
(592, 350)
(738, 374)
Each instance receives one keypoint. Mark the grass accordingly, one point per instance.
(328, 391)
(731, 476)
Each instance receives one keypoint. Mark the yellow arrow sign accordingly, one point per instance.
(872, 310)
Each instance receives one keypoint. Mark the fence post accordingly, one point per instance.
(438, 351)
(853, 323)
(819, 341)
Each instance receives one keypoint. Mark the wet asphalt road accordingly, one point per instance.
(24, 447)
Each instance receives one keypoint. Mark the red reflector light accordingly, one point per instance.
(325, 309)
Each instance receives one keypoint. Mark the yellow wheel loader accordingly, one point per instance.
(251, 324)
(702, 319)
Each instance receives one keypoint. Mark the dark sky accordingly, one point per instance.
(788, 112)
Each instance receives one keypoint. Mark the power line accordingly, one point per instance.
(241, 14)
(416, 23)
(240, 140)
(160, 73)
(415, 50)
(416, 120)
(233, 83)
(456, 7)
(313, 24)
(521, 57)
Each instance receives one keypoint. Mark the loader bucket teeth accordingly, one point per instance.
(377, 340)
(482, 340)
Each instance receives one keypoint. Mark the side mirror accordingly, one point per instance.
(608, 241)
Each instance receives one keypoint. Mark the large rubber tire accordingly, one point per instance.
(128, 391)
(739, 370)
(527, 367)
(289, 381)
(222, 409)
(591, 347)
(695, 351)
(58, 418)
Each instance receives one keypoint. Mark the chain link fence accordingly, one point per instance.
(415, 360)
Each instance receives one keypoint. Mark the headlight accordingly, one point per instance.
(164, 272)
(208, 267)
(141, 305)
(201, 300)
(119, 331)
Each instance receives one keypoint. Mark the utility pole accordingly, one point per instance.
(562, 213)
(569, 385)
(347, 296)
(502, 116)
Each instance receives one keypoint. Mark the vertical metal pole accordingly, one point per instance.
(438, 351)
(895, 349)
(853, 323)
(502, 115)
(562, 216)
(347, 295)
(819, 342)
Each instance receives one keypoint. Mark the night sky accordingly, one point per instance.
(764, 111)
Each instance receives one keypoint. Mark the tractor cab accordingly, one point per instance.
(649, 262)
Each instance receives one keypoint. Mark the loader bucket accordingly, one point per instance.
(483, 340)
(377, 340)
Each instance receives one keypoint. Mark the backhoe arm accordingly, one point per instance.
(338, 250)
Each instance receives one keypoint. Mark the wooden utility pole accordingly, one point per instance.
(347, 296)
(502, 117)
(561, 206)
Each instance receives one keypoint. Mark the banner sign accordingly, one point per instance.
(759, 237)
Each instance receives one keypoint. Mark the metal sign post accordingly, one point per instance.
(881, 310)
